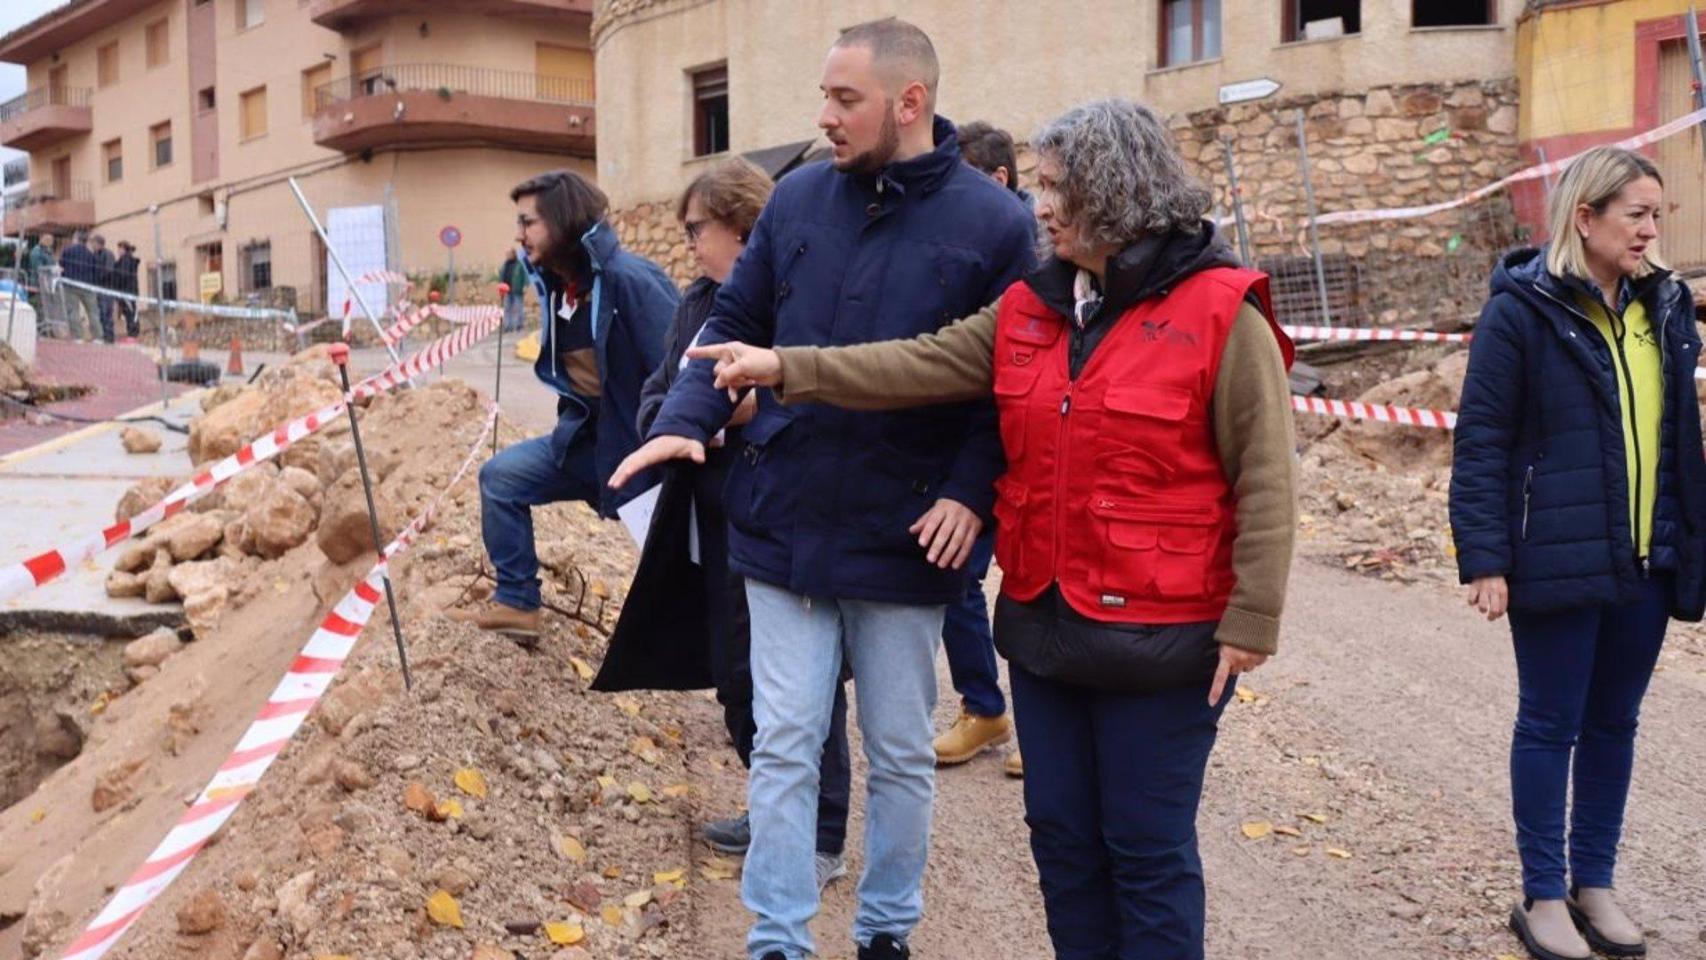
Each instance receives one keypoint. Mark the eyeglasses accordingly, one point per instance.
(523, 221)
(694, 228)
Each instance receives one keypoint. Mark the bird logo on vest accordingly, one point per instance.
(1161, 331)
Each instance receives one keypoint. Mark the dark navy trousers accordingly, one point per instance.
(967, 641)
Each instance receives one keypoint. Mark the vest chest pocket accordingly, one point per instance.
(1142, 427)
(1014, 383)
(1152, 550)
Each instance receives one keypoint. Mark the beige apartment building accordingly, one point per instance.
(684, 82)
(189, 116)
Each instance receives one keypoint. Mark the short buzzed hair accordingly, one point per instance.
(900, 51)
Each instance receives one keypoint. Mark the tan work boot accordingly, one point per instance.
(1547, 931)
(969, 736)
(1015, 765)
(522, 626)
(1607, 928)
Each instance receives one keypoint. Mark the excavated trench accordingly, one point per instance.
(52, 686)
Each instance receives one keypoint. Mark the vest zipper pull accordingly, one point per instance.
(1065, 402)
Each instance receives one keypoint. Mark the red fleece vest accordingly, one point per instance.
(1114, 487)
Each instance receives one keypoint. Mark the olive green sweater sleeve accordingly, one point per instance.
(949, 365)
(1253, 429)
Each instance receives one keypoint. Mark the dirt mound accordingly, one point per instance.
(1405, 448)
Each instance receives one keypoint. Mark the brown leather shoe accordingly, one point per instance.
(1015, 765)
(1545, 928)
(522, 626)
(971, 735)
(1602, 921)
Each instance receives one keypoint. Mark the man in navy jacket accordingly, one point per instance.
(851, 528)
(604, 312)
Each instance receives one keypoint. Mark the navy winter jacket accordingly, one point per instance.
(1539, 487)
(78, 263)
(629, 307)
(820, 499)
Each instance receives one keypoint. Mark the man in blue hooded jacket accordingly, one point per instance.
(851, 528)
(604, 313)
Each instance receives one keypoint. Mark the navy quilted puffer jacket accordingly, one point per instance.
(1539, 488)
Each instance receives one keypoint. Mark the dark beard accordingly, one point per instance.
(888, 143)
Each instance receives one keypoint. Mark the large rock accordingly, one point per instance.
(157, 583)
(124, 584)
(303, 481)
(139, 440)
(153, 649)
(189, 579)
(199, 533)
(143, 494)
(247, 487)
(277, 396)
(345, 533)
(279, 520)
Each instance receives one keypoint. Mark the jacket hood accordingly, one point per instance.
(1523, 274)
(1147, 268)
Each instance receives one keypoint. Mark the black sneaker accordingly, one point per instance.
(885, 947)
(730, 836)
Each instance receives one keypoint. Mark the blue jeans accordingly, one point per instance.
(1112, 784)
(1581, 675)
(797, 647)
(967, 641)
(512, 483)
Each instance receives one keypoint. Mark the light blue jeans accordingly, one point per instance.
(797, 648)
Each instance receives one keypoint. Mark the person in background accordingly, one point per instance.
(41, 263)
(125, 274)
(106, 278)
(82, 311)
(983, 721)
(1147, 515)
(603, 320)
(1578, 505)
(851, 528)
(514, 274)
(717, 212)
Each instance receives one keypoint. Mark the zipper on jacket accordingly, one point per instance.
(1527, 491)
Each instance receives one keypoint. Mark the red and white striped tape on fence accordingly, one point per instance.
(1372, 333)
(1379, 412)
(285, 710)
(21, 577)
(383, 276)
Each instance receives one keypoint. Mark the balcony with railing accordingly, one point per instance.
(44, 116)
(16, 171)
(435, 103)
(58, 209)
(345, 14)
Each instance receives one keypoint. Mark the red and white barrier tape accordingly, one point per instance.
(382, 276)
(19, 578)
(1372, 333)
(1535, 172)
(1379, 412)
(284, 713)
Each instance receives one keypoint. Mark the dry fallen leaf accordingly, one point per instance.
(38, 816)
(639, 792)
(646, 749)
(571, 848)
(669, 876)
(564, 934)
(676, 791)
(612, 872)
(1314, 817)
(1302, 851)
(606, 781)
(450, 809)
(1338, 854)
(611, 914)
(1257, 829)
(471, 781)
(1288, 831)
(419, 799)
(637, 899)
(628, 705)
(444, 910)
(711, 871)
(1244, 694)
(582, 668)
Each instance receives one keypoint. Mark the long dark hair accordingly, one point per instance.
(570, 205)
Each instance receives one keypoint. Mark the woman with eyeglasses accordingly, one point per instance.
(603, 312)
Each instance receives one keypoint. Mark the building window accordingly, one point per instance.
(168, 279)
(312, 79)
(112, 158)
(250, 13)
(254, 113)
(159, 44)
(257, 267)
(205, 100)
(1319, 19)
(160, 135)
(710, 110)
(106, 65)
(1453, 13)
(1190, 31)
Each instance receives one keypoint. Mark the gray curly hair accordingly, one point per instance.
(1122, 176)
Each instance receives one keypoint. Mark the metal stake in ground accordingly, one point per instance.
(1237, 204)
(1314, 240)
(340, 356)
(498, 374)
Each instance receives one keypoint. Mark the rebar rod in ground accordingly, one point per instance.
(1314, 239)
(340, 356)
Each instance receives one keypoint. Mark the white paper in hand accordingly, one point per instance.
(636, 515)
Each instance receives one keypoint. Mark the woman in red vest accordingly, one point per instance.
(1145, 524)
